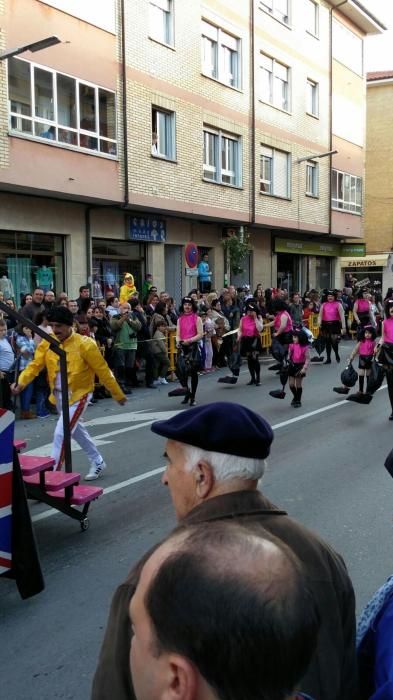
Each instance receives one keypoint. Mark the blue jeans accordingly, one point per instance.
(25, 397)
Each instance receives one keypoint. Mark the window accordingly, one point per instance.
(221, 158)
(346, 192)
(312, 17)
(312, 179)
(275, 82)
(220, 55)
(163, 134)
(347, 47)
(278, 8)
(161, 20)
(274, 175)
(45, 104)
(312, 98)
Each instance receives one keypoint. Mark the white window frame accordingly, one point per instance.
(351, 189)
(312, 97)
(312, 178)
(269, 160)
(273, 8)
(170, 137)
(219, 44)
(55, 124)
(164, 10)
(313, 6)
(216, 171)
(280, 99)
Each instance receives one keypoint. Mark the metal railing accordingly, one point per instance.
(55, 347)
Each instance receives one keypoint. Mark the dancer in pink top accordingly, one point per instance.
(384, 350)
(299, 358)
(362, 312)
(189, 332)
(331, 320)
(249, 335)
(365, 349)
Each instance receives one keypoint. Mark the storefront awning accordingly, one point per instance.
(380, 260)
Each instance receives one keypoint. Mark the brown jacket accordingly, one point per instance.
(332, 672)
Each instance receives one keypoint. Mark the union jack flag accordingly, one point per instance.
(7, 422)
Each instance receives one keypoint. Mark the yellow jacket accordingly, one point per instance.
(84, 361)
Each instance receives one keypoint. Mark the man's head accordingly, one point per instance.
(38, 295)
(73, 306)
(49, 297)
(125, 308)
(211, 450)
(61, 319)
(84, 292)
(220, 612)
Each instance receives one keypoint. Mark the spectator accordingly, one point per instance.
(204, 274)
(152, 301)
(160, 352)
(73, 307)
(11, 322)
(143, 348)
(296, 309)
(125, 327)
(216, 456)
(7, 363)
(214, 610)
(112, 307)
(26, 299)
(41, 385)
(31, 309)
(62, 301)
(84, 300)
(26, 347)
(49, 300)
(146, 286)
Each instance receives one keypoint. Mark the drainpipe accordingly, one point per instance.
(330, 115)
(252, 113)
(124, 102)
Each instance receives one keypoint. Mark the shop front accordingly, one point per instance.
(366, 270)
(111, 260)
(29, 260)
(303, 264)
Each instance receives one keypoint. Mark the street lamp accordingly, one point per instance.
(316, 155)
(34, 46)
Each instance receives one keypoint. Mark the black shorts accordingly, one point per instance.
(250, 344)
(329, 328)
(365, 361)
(294, 368)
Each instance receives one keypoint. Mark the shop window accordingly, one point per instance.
(220, 55)
(323, 272)
(221, 158)
(45, 104)
(274, 82)
(274, 172)
(346, 192)
(111, 260)
(161, 20)
(28, 260)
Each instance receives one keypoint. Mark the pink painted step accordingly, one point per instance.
(54, 481)
(82, 494)
(31, 464)
(19, 445)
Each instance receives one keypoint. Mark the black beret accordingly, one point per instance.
(220, 427)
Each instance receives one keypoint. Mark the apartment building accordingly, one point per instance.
(160, 122)
(377, 263)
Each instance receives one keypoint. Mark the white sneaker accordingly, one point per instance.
(163, 380)
(95, 471)
(156, 382)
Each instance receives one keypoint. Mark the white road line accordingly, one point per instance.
(153, 472)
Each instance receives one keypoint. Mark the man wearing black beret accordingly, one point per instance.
(216, 455)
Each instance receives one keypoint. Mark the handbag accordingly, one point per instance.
(349, 376)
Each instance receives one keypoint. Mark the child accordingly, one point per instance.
(209, 331)
(25, 344)
(160, 353)
(298, 359)
(365, 349)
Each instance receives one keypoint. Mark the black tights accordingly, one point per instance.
(331, 342)
(194, 384)
(389, 382)
(254, 368)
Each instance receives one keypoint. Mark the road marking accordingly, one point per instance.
(153, 472)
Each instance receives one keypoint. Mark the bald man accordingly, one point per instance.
(220, 613)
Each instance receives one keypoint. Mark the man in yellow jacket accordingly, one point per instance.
(84, 361)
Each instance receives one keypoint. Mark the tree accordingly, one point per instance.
(237, 246)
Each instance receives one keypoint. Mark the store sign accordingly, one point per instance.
(353, 251)
(370, 262)
(290, 245)
(147, 229)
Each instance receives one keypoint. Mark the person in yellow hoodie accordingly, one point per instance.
(128, 287)
(84, 361)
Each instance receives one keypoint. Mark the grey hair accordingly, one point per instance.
(224, 466)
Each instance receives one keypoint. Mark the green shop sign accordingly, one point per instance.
(353, 251)
(290, 245)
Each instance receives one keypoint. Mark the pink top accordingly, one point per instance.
(366, 347)
(388, 330)
(363, 306)
(188, 326)
(277, 321)
(330, 311)
(298, 353)
(248, 327)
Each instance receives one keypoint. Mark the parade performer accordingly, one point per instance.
(84, 361)
(384, 350)
(250, 328)
(282, 330)
(189, 331)
(363, 312)
(128, 288)
(298, 360)
(331, 320)
(365, 349)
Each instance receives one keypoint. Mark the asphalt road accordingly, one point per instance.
(325, 469)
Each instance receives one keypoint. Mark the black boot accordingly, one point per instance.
(361, 384)
(251, 369)
(293, 390)
(298, 397)
(257, 373)
(186, 398)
